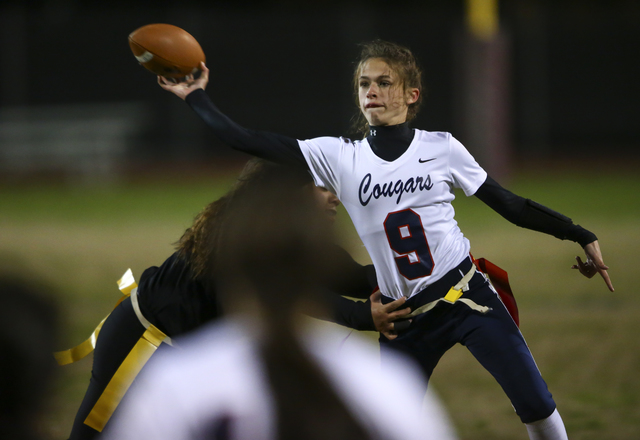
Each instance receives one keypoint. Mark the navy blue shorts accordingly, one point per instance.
(493, 338)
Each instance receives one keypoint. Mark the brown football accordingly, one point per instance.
(166, 50)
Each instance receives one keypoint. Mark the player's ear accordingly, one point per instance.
(412, 94)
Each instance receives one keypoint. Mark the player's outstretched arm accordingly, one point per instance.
(531, 215)
(270, 146)
(594, 264)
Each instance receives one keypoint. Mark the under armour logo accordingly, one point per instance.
(373, 132)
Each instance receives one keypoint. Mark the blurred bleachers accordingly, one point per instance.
(81, 141)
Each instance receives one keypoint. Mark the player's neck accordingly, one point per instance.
(389, 142)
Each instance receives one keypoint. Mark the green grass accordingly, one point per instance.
(583, 337)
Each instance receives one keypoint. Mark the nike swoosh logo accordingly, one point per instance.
(425, 161)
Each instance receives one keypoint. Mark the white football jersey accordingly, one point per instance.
(401, 209)
(218, 374)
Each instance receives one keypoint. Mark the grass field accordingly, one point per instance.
(81, 240)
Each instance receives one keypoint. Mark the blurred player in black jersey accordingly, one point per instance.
(180, 296)
(264, 371)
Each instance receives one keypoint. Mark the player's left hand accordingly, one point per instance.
(594, 264)
(386, 316)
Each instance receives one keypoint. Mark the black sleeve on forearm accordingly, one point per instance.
(274, 147)
(350, 279)
(346, 312)
(354, 280)
(531, 215)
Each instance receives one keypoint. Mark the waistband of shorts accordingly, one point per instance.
(437, 289)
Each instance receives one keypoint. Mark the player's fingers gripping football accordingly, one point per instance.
(203, 79)
(180, 89)
(183, 88)
(176, 88)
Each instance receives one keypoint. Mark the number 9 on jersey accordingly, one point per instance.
(407, 238)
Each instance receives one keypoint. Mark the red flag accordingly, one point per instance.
(500, 280)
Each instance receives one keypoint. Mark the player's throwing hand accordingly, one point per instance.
(183, 88)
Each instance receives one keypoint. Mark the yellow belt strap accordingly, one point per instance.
(79, 351)
(454, 295)
(122, 379)
(126, 284)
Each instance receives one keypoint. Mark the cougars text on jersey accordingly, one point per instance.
(390, 189)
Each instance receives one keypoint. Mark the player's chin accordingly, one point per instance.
(376, 116)
(368, 111)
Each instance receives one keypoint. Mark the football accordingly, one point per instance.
(166, 50)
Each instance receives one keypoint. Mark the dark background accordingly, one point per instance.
(570, 77)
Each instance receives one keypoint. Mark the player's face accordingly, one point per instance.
(383, 100)
(327, 201)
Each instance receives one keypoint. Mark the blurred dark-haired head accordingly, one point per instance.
(198, 244)
(28, 325)
(274, 242)
(274, 256)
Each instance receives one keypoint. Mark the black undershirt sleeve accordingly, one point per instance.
(355, 281)
(349, 313)
(531, 215)
(270, 146)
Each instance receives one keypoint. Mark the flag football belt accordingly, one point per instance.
(130, 367)
(500, 282)
(454, 295)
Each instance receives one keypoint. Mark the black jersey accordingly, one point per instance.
(176, 302)
(173, 300)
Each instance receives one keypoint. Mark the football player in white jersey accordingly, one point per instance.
(397, 185)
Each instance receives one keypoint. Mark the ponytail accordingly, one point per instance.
(273, 250)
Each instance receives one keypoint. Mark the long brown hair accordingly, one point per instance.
(276, 247)
(403, 63)
(197, 244)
